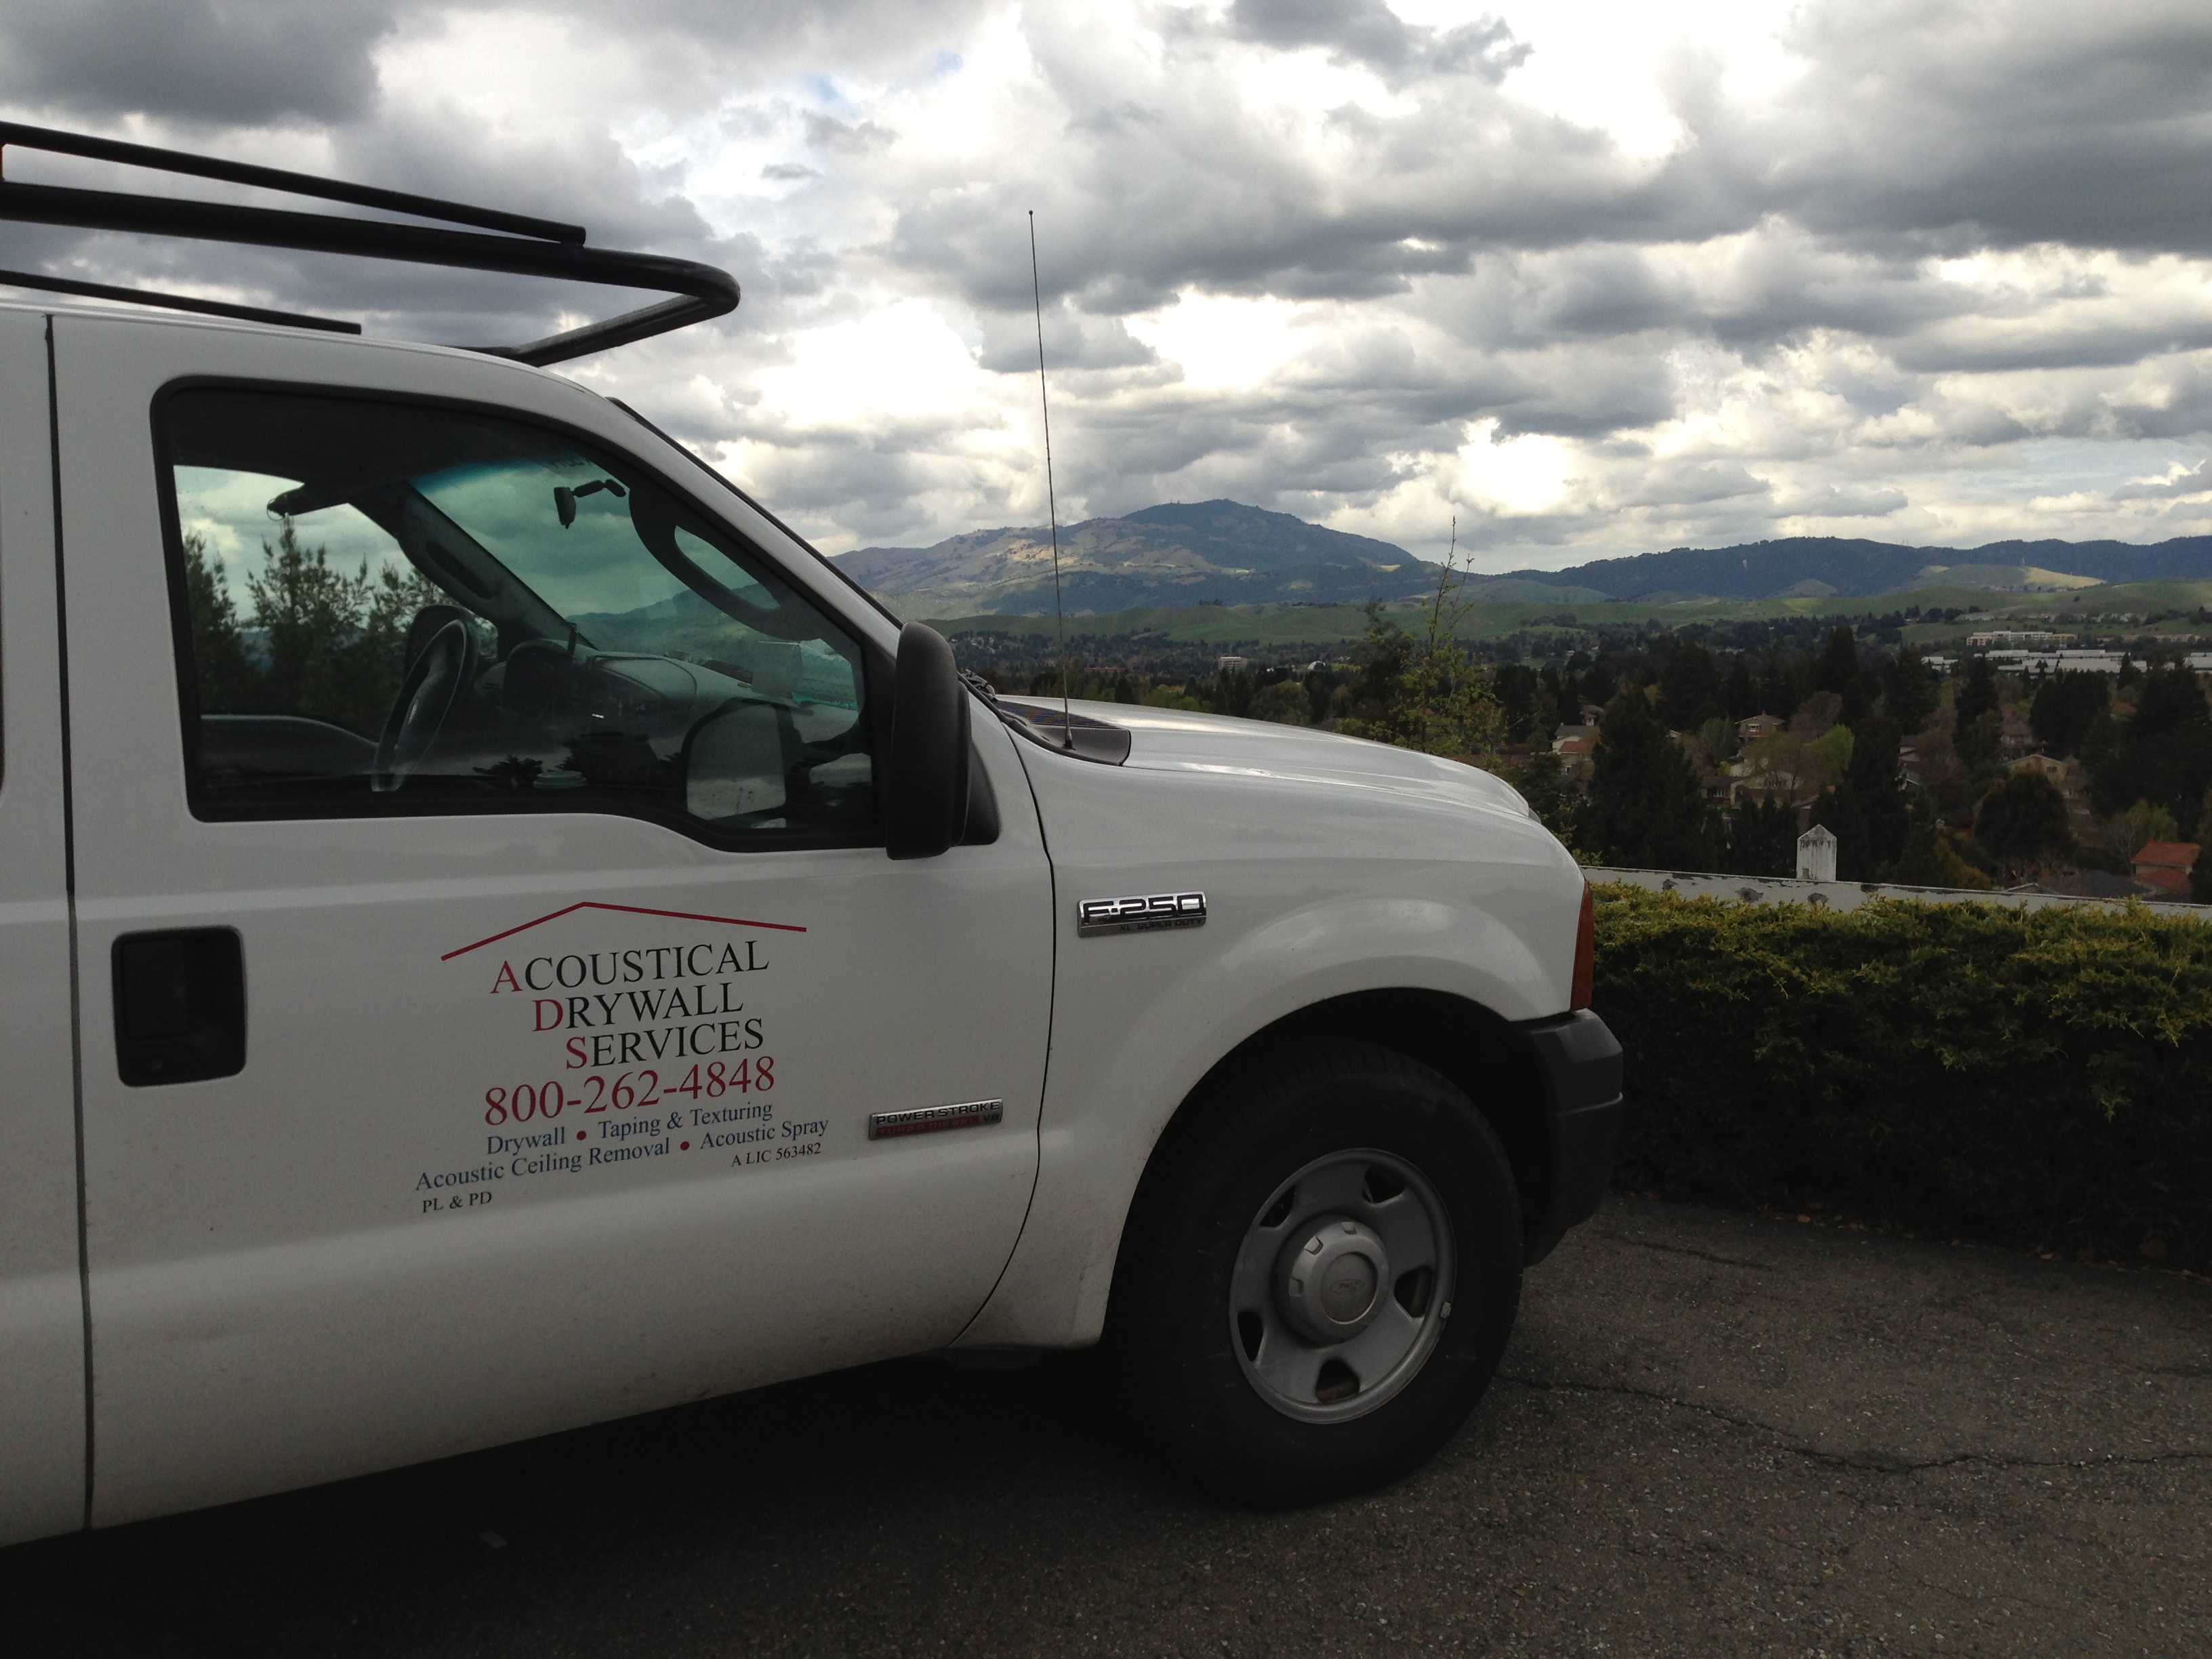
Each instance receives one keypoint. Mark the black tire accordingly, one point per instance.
(1174, 1338)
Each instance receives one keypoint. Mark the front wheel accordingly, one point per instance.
(1318, 1279)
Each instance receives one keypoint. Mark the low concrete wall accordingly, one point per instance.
(1848, 895)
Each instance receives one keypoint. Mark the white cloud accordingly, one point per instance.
(1600, 277)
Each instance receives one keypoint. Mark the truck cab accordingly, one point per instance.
(500, 935)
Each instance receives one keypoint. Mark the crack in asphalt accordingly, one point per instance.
(1897, 1464)
(1682, 1249)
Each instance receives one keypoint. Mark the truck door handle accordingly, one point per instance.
(180, 1006)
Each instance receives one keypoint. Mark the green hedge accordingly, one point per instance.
(2043, 1077)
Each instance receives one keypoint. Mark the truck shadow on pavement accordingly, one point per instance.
(1712, 1434)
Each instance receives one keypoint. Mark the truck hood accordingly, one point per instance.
(1170, 741)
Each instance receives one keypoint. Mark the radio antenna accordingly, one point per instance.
(1052, 499)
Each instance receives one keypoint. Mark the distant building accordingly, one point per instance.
(2060, 662)
(2165, 865)
(1231, 664)
(1577, 748)
(2053, 769)
(1816, 854)
(1755, 726)
(2005, 636)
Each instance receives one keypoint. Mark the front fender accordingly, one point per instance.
(1294, 919)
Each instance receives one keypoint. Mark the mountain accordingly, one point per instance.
(1828, 564)
(1185, 553)
(1177, 554)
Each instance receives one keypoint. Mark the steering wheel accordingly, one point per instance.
(437, 679)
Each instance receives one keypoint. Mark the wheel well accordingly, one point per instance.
(1479, 1053)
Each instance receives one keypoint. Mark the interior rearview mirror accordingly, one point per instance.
(925, 785)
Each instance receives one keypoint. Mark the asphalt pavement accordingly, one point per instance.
(1714, 1434)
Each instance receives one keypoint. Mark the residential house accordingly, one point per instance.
(1577, 747)
(2165, 865)
(1753, 727)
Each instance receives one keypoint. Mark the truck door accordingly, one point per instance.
(490, 964)
(42, 1390)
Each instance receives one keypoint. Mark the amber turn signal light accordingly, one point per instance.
(1585, 953)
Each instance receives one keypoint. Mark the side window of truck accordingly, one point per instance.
(388, 608)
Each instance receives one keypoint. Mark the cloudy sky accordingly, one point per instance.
(1596, 278)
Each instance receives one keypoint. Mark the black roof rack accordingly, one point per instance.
(506, 242)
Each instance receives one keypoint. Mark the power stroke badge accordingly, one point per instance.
(1146, 913)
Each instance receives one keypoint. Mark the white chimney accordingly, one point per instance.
(1816, 854)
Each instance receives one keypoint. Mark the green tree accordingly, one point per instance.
(1977, 695)
(2065, 706)
(1740, 697)
(1283, 703)
(1762, 839)
(228, 679)
(1913, 692)
(331, 645)
(1378, 668)
(1552, 795)
(2170, 700)
(2164, 754)
(1875, 776)
(1423, 690)
(1979, 740)
(1689, 686)
(2023, 820)
(1647, 807)
(1838, 671)
(1931, 861)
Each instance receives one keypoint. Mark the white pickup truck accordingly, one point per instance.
(498, 934)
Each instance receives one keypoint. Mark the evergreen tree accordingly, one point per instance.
(1518, 690)
(1839, 809)
(330, 646)
(1781, 684)
(2065, 706)
(228, 682)
(1439, 702)
(1379, 664)
(1869, 804)
(1740, 697)
(1838, 667)
(1913, 692)
(1928, 859)
(1543, 782)
(2164, 752)
(2023, 820)
(1762, 839)
(2170, 699)
(1977, 693)
(1647, 806)
(1689, 686)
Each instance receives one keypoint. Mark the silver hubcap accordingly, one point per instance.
(1341, 1286)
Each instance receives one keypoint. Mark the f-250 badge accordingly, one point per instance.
(1146, 913)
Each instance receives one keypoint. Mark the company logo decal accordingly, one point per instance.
(626, 909)
(650, 1038)
(1147, 914)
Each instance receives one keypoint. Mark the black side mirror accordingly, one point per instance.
(925, 785)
